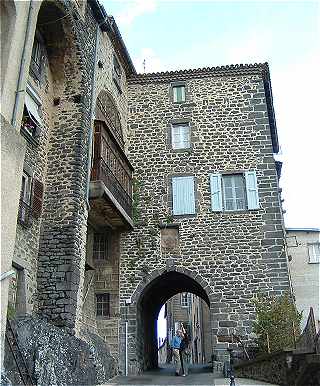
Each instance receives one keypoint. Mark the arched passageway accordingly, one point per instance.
(153, 296)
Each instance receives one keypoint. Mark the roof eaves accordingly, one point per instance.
(108, 24)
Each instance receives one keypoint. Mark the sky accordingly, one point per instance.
(182, 34)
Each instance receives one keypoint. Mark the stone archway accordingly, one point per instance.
(146, 302)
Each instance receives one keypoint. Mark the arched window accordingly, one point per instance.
(107, 111)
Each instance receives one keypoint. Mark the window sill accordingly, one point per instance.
(178, 216)
(234, 211)
(31, 139)
(187, 150)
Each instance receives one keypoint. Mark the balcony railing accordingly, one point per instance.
(111, 166)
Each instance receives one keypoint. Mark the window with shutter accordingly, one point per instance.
(183, 195)
(232, 192)
(180, 136)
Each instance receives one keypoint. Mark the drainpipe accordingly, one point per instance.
(126, 352)
(21, 69)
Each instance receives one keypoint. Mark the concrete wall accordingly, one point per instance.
(305, 276)
(13, 31)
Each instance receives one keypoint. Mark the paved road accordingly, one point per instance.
(199, 375)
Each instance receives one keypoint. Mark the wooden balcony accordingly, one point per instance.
(111, 181)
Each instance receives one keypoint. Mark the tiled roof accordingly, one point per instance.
(230, 70)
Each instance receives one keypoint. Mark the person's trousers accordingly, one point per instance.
(184, 362)
(177, 361)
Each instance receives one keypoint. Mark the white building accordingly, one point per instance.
(304, 256)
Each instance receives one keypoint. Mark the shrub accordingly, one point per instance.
(278, 321)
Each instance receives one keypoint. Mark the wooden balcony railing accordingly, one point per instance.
(111, 166)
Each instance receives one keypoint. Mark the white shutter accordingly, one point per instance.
(252, 190)
(216, 193)
(183, 199)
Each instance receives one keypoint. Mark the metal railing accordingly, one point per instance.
(102, 171)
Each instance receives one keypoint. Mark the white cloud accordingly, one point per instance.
(148, 61)
(135, 9)
(295, 88)
(254, 47)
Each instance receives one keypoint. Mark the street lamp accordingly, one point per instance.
(231, 374)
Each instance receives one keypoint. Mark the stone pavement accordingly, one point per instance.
(199, 375)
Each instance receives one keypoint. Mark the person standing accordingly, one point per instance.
(184, 352)
(175, 344)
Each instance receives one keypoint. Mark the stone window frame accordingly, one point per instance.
(232, 172)
(186, 91)
(185, 299)
(108, 315)
(177, 121)
(170, 195)
(107, 252)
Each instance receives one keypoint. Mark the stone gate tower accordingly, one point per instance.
(206, 204)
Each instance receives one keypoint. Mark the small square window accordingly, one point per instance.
(100, 247)
(179, 93)
(314, 253)
(185, 299)
(103, 305)
(180, 136)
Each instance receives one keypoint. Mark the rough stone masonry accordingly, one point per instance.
(232, 254)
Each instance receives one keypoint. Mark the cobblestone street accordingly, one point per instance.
(199, 375)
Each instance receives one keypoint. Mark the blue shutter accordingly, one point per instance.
(252, 190)
(216, 193)
(183, 195)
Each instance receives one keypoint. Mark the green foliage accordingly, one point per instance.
(136, 212)
(11, 312)
(277, 320)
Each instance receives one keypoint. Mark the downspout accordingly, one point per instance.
(91, 129)
(21, 69)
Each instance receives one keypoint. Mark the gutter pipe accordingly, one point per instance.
(21, 69)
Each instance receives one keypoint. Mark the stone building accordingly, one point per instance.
(193, 313)
(304, 259)
(208, 216)
(121, 190)
(63, 133)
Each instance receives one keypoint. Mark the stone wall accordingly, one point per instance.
(237, 254)
(54, 357)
